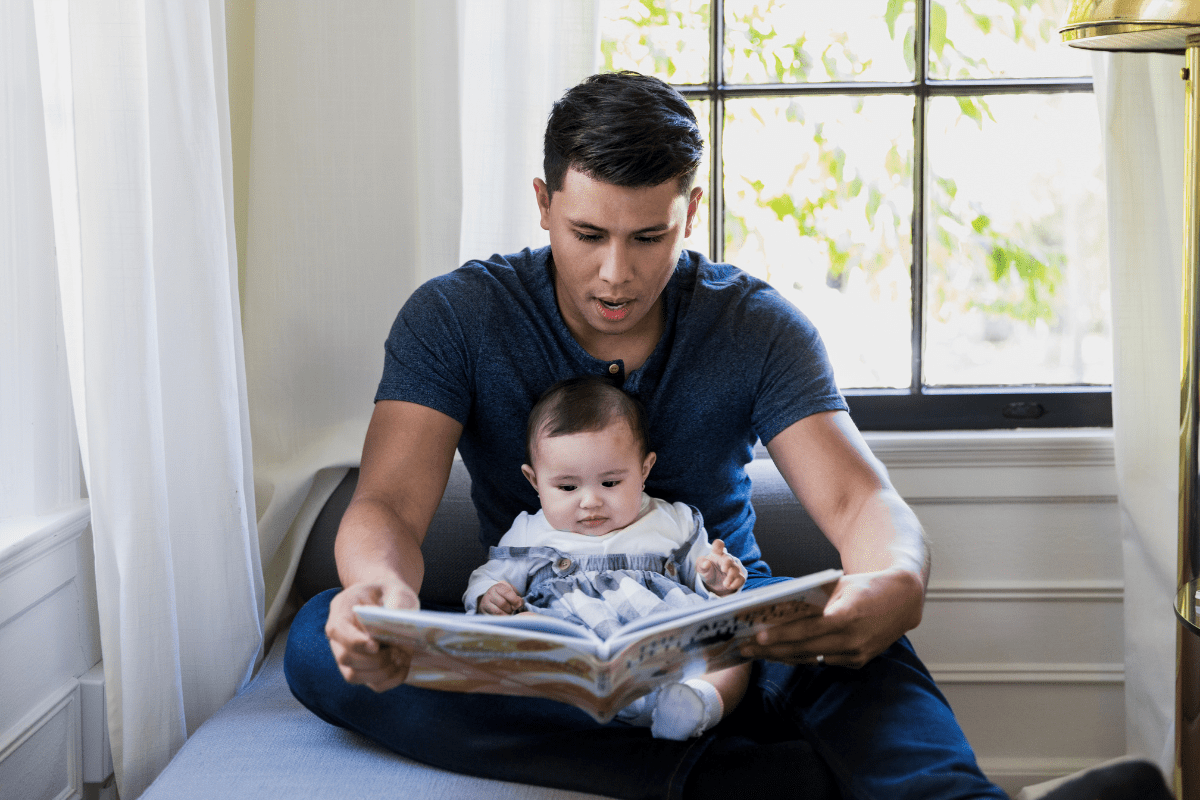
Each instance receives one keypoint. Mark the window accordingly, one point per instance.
(923, 179)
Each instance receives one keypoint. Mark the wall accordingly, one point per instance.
(239, 45)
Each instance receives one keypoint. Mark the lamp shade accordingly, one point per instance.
(1160, 26)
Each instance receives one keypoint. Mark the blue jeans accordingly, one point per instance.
(883, 731)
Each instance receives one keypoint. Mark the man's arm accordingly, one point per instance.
(406, 462)
(845, 489)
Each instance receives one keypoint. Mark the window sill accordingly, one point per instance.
(1049, 447)
(1027, 447)
(1022, 466)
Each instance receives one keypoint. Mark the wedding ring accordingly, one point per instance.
(820, 661)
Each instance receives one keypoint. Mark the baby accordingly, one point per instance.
(601, 552)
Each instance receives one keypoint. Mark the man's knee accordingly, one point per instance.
(308, 662)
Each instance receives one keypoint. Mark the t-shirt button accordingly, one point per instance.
(613, 369)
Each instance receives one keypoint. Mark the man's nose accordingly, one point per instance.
(616, 267)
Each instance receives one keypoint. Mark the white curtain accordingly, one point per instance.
(39, 471)
(138, 148)
(518, 58)
(390, 142)
(1141, 106)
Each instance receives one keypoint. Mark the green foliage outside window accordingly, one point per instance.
(851, 205)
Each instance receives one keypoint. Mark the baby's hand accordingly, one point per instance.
(721, 571)
(501, 599)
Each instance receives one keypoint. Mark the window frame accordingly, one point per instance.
(919, 407)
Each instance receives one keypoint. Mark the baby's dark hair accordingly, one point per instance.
(585, 403)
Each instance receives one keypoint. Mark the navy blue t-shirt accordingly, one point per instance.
(736, 363)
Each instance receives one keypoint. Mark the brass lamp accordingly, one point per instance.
(1171, 26)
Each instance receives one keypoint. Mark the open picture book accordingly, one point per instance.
(535, 655)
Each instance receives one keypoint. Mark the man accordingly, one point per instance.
(719, 360)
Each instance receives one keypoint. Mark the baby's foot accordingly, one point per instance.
(686, 709)
(639, 711)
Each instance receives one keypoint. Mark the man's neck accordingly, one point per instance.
(631, 348)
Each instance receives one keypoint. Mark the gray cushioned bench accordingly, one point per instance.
(263, 744)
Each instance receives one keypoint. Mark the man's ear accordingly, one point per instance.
(693, 207)
(530, 475)
(542, 191)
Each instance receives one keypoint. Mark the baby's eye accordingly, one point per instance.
(567, 487)
(609, 484)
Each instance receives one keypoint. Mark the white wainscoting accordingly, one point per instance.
(44, 757)
(1023, 621)
(49, 636)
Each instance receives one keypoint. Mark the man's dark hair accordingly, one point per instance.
(624, 129)
(586, 403)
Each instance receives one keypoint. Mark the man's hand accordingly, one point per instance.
(361, 658)
(501, 599)
(866, 614)
(721, 572)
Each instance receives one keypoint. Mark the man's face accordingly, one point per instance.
(614, 251)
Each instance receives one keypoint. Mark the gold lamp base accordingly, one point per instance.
(1187, 691)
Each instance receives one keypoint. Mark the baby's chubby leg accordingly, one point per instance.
(731, 684)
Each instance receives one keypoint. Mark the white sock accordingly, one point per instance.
(686, 709)
(640, 711)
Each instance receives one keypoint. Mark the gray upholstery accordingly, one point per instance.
(264, 744)
(452, 548)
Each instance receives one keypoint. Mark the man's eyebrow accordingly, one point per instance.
(659, 228)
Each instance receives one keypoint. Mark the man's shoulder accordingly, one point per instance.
(482, 287)
(524, 270)
(724, 289)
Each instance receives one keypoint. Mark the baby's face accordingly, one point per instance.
(590, 483)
